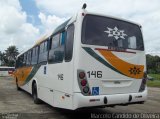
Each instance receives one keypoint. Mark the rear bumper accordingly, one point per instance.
(81, 101)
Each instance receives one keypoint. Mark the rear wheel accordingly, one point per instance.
(35, 94)
(18, 88)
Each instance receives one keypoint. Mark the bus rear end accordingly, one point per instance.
(111, 63)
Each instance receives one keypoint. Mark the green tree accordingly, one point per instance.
(9, 56)
(3, 58)
(153, 64)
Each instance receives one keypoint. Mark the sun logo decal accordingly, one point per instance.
(116, 33)
(134, 71)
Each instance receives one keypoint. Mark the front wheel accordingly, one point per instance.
(34, 94)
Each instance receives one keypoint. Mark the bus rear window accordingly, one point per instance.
(104, 31)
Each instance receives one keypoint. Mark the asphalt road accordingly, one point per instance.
(20, 105)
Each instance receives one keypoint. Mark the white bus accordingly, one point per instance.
(6, 71)
(91, 60)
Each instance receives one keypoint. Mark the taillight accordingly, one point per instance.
(143, 83)
(86, 89)
(83, 83)
(81, 75)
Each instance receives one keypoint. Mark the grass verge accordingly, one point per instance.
(155, 82)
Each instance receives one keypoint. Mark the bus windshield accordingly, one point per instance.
(104, 31)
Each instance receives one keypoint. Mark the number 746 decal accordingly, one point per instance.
(94, 74)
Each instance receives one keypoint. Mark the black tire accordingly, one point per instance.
(35, 95)
(18, 88)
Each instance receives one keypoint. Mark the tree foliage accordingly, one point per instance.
(153, 64)
(8, 57)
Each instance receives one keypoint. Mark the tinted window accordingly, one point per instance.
(29, 58)
(63, 34)
(103, 31)
(24, 59)
(45, 46)
(56, 53)
(55, 41)
(37, 51)
(43, 54)
(41, 48)
(69, 43)
(34, 55)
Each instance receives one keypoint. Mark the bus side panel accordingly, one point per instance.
(63, 100)
(46, 94)
(63, 83)
(26, 87)
(55, 84)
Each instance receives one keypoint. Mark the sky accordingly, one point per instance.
(22, 22)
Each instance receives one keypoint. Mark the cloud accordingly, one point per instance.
(150, 24)
(14, 29)
(59, 8)
(50, 22)
(112, 7)
(144, 12)
(12, 19)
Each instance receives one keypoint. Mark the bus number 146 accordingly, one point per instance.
(95, 74)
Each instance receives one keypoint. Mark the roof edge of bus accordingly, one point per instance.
(42, 38)
(118, 18)
(22, 52)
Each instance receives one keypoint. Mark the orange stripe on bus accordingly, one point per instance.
(21, 74)
(130, 70)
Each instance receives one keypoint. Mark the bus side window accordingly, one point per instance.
(34, 55)
(69, 43)
(62, 40)
(55, 41)
(56, 52)
(21, 61)
(29, 58)
(43, 53)
(24, 59)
